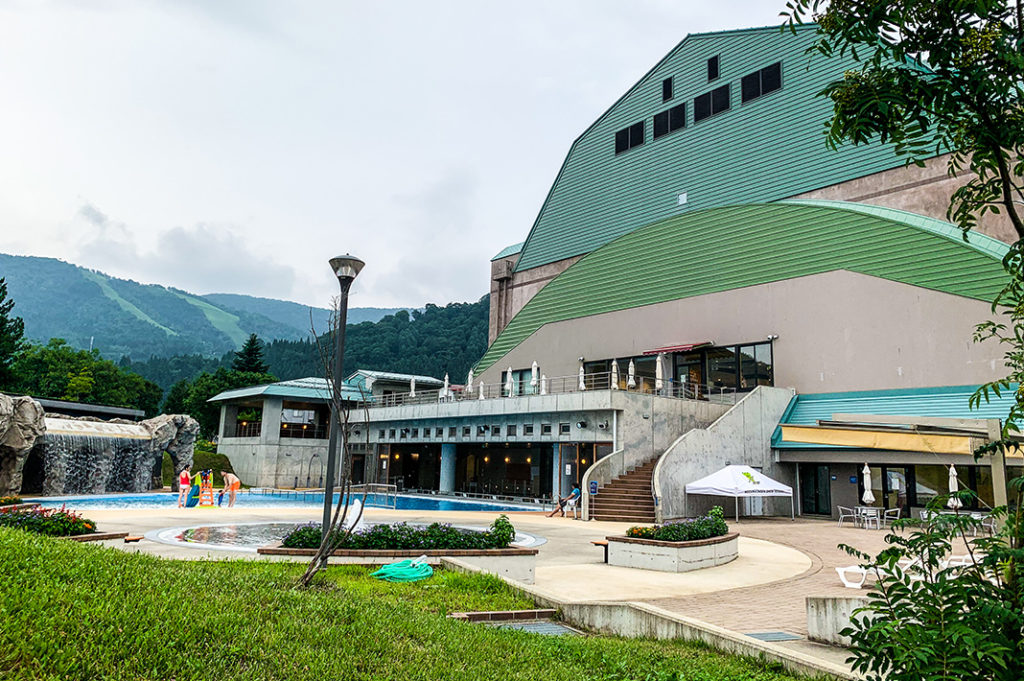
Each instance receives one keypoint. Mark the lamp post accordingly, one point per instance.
(346, 268)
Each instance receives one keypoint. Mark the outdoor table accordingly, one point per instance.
(866, 512)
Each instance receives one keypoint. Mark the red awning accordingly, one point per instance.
(678, 348)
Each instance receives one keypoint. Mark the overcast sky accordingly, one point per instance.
(235, 145)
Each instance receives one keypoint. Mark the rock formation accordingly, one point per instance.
(175, 434)
(21, 424)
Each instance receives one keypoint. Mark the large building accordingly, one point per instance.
(708, 283)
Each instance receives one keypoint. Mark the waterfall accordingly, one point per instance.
(90, 457)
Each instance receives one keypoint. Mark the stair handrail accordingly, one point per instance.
(590, 474)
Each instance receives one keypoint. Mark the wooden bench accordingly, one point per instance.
(604, 543)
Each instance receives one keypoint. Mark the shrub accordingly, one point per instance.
(52, 522)
(9, 501)
(704, 527)
(402, 536)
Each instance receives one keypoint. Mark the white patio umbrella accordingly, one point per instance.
(469, 382)
(510, 386)
(583, 382)
(954, 487)
(659, 374)
(631, 375)
(869, 496)
(481, 390)
(412, 388)
(615, 375)
(534, 375)
(543, 384)
(445, 391)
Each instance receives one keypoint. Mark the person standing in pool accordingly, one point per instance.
(231, 486)
(184, 485)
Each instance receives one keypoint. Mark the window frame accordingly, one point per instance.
(667, 89)
(760, 83)
(717, 60)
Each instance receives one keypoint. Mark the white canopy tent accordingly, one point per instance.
(739, 481)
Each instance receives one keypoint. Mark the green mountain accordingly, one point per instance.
(295, 315)
(121, 317)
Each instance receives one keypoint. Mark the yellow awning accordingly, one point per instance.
(901, 441)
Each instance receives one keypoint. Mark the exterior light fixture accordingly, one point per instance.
(506, 459)
(487, 459)
(396, 457)
(346, 268)
(583, 462)
(581, 424)
(284, 426)
(529, 459)
(245, 423)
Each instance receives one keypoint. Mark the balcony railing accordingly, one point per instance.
(311, 431)
(248, 428)
(560, 385)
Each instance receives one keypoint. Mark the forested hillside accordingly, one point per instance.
(122, 318)
(437, 340)
(295, 315)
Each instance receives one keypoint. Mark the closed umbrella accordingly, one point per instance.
(469, 382)
(583, 382)
(954, 487)
(534, 375)
(510, 386)
(659, 375)
(446, 384)
(481, 390)
(412, 388)
(631, 375)
(615, 375)
(543, 384)
(869, 496)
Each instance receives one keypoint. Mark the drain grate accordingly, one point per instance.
(545, 627)
(772, 636)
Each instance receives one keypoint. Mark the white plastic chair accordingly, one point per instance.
(871, 516)
(890, 515)
(571, 504)
(852, 576)
(847, 513)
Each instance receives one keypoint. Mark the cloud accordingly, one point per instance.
(204, 258)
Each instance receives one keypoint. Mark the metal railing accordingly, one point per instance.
(312, 431)
(562, 385)
(248, 428)
(376, 491)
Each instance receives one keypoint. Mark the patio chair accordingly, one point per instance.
(847, 513)
(571, 504)
(852, 576)
(890, 515)
(871, 516)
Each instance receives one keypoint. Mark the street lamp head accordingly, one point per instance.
(346, 267)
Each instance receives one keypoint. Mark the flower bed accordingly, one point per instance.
(53, 522)
(690, 529)
(10, 501)
(401, 536)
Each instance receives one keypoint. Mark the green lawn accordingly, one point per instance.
(74, 611)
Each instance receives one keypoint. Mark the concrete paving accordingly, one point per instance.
(781, 562)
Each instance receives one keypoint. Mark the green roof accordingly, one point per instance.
(508, 250)
(766, 149)
(944, 402)
(721, 249)
(312, 389)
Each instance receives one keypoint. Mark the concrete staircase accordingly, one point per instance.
(627, 498)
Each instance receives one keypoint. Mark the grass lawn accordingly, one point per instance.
(73, 611)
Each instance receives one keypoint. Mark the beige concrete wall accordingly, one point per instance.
(509, 296)
(925, 191)
(837, 331)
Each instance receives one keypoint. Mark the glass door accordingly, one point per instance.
(815, 489)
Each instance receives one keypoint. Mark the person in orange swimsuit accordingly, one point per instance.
(184, 485)
(231, 485)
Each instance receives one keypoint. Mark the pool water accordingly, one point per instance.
(257, 499)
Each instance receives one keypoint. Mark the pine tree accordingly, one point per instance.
(250, 358)
(12, 338)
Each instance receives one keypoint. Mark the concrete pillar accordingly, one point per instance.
(447, 463)
(270, 431)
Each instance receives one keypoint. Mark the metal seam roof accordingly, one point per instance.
(720, 249)
(509, 250)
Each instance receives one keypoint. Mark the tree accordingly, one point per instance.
(175, 402)
(250, 358)
(12, 338)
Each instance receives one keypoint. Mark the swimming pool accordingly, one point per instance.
(257, 499)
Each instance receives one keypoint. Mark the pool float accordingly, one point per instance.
(193, 496)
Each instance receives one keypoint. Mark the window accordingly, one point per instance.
(666, 89)
(527, 429)
(630, 137)
(712, 68)
(711, 103)
(510, 431)
(545, 429)
(451, 431)
(380, 434)
(521, 382)
(466, 432)
(415, 432)
(438, 432)
(669, 121)
(391, 433)
(496, 431)
(768, 79)
(563, 429)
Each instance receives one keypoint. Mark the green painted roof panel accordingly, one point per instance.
(735, 246)
(767, 149)
(509, 250)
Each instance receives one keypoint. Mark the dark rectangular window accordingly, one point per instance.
(510, 431)
(563, 429)
(545, 429)
(391, 433)
(660, 124)
(711, 103)
(451, 431)
(712, 68)
(630, 137)
(677, 117)
(528, 429)
(768, 79)
(380, 434)
(415, 432)
(496, 431)
(666, 89)
(466, 431)
(438, 432)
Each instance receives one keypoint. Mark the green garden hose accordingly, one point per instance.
(405, 571)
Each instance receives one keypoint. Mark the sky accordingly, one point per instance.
(236, 145)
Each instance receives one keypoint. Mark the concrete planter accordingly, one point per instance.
(672, 556)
